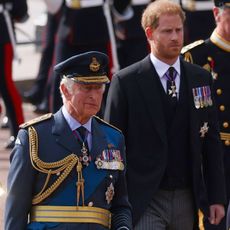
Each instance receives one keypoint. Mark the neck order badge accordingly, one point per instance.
(82, 134)
(171, 86)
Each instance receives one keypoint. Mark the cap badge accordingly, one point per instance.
(94, 65)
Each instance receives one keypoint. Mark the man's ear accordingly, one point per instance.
(65, 91)
(149, 33)
(215, 11)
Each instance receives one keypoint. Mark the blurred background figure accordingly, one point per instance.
(213, 54)
(74, 36)
(11, 11)
(39, 93)
(132, 44)
(199, 22)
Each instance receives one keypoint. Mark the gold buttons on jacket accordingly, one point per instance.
(227, 142)
(225, 124)
(222, 108)
(219, 91)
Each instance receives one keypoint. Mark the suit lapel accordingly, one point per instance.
(99, 142)
(147, 80)
(192, 81)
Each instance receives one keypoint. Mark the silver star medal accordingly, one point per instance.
(204, 129)
(172, 91)
(109, 193)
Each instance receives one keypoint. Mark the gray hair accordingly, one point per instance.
(68, 84)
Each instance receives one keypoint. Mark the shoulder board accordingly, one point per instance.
(191, 46)
(106, 123)
(36, 120)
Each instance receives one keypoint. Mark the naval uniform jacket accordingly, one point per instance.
(213, 54)
(134, 105)
(57, 141)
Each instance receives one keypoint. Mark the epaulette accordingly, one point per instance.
(191, 46)
(106, 123)
(36, 120)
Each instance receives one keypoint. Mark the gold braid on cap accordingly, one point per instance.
(92, 79)
(60, 168)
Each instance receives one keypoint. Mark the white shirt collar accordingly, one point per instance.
(73, 123)
(162, 67)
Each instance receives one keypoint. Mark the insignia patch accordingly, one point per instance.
(110, 159)
(94, 65)
(109, 193)
(202, 97)
(204, 129)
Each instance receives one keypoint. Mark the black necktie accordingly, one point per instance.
(82, 132)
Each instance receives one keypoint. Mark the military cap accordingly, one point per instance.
(221, 3)
(86, 68)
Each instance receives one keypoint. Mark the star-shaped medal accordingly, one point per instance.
(109, 193)
(204, 129)
(172, 91)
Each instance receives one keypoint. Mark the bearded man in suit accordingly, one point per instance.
(166, 110)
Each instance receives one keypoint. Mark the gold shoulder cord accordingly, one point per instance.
(188, 57)
(65, 165)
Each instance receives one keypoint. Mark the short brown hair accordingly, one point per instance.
(154, 10)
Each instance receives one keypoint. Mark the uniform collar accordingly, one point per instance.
(219, 41)
(73, 123)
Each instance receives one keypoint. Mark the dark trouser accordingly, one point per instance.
(169, 210)
(47, 55)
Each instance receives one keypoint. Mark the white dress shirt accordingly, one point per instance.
(162, 68)
(74, 124)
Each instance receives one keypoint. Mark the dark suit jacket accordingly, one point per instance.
(56, 141)
(133, 105)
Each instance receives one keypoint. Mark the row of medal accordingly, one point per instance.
(110, 159)
(202, 97)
